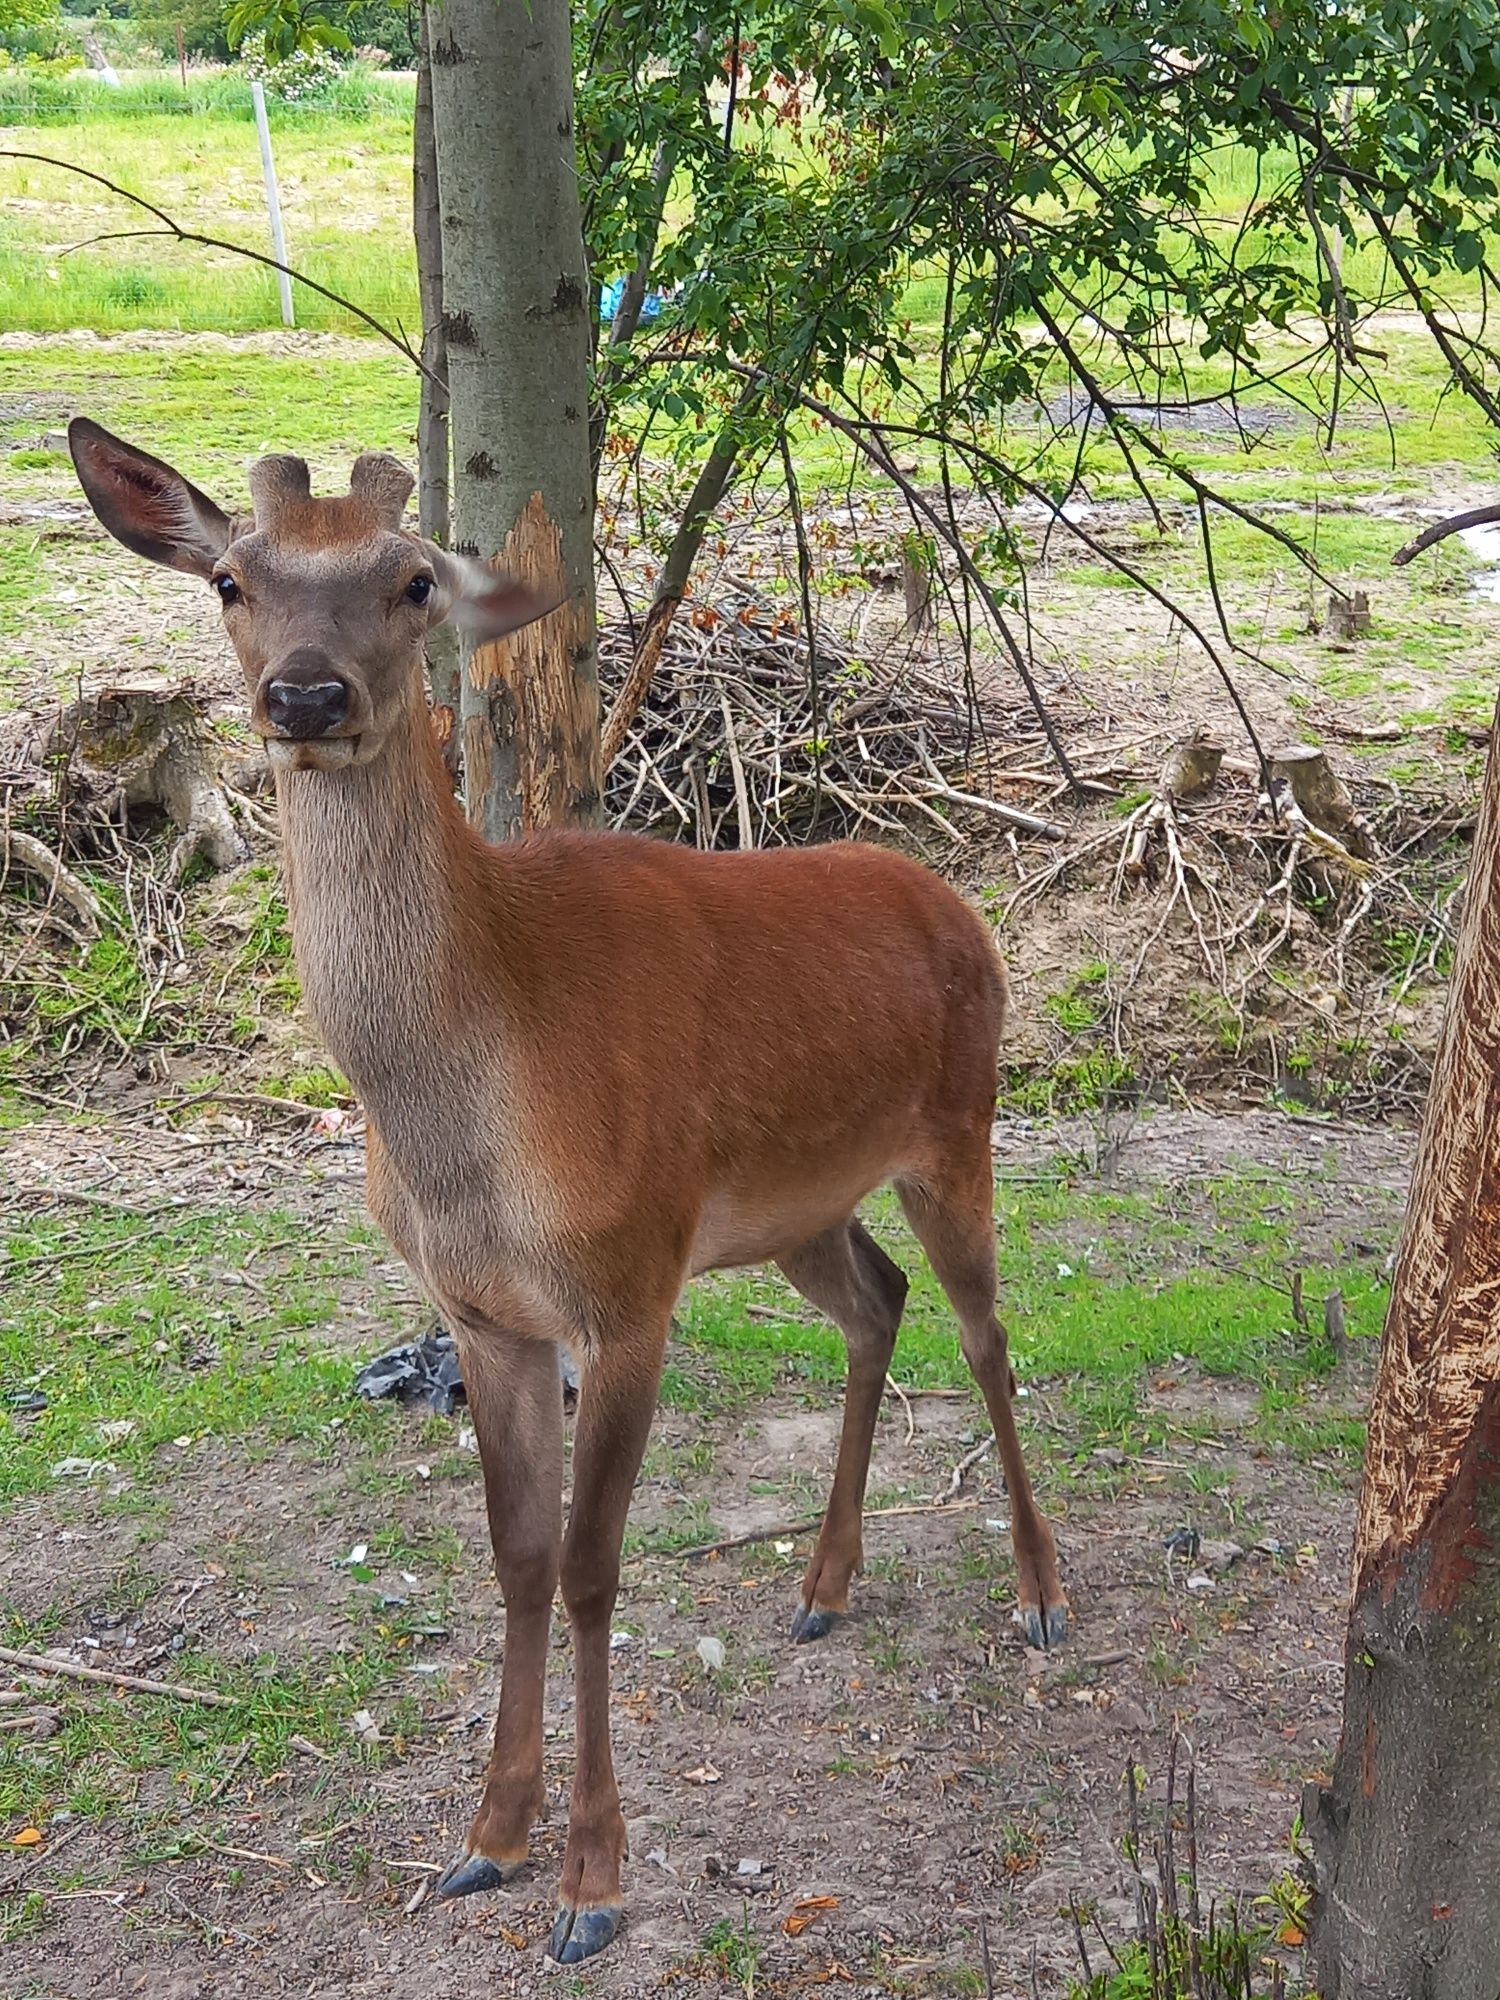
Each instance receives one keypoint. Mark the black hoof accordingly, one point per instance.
(473, 1875)
(1043, 1630)
(810, 1624)
(578, 1934)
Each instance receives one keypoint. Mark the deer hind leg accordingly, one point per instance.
(616, 1401)
(954, 1221)
(515, 1400)
(846, 1275)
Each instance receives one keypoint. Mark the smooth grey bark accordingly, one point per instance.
(516, 325)
(432, 414)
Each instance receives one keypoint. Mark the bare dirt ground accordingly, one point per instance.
(921, 1766)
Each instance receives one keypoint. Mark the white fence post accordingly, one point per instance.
(273, 201)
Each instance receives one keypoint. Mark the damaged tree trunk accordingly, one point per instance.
(515, 321)
(1408, 1859)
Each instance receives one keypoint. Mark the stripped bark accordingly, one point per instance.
(516, 327)
(1405, 1836)
(551, 725)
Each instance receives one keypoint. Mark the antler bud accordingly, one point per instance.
(278, 485)
(383, 484)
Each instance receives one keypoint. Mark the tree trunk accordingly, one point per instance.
(515, 319)
(1408, 1858)
(432, 415)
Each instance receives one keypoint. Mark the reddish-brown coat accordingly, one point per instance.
(593, 1065)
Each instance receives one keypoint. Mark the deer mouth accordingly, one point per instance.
(327, 753)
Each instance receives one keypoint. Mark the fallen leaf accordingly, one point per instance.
(805, 1911)
(29, 1836)
(704, 1775)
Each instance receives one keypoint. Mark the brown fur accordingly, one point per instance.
(593, 1065)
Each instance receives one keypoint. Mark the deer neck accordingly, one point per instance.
(381, 891)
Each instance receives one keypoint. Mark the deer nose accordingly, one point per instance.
(306, 699)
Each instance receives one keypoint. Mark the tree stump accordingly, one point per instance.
(916, 584)
(1348, 617)
(128, 747)
(1191, 767)
(1319, 794)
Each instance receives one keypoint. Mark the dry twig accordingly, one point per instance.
(42, 1663)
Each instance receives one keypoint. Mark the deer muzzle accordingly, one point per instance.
(305, 700)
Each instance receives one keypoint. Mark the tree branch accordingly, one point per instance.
(171, 227)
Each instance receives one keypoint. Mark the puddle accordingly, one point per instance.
(1070, 510)
(1485, 543)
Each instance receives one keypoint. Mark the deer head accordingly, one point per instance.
(327, 603)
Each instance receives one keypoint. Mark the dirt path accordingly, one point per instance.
(921, 1766)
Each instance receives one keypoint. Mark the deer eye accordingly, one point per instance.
(228, 589)
(419, 589)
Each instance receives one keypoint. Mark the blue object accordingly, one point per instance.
(611, 294)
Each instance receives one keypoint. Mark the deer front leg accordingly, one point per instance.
(515, 1399)
(616, 1400)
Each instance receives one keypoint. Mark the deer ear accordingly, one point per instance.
(145, 504)
(486, 603)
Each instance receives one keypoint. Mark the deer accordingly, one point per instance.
(592, 1066)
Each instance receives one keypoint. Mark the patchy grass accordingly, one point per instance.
(209, 410)
(1098, 1288)
(94, 1765)
(145, 1336)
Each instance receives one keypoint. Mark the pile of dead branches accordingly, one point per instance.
(744, 741)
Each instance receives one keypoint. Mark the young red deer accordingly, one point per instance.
(592, 1066)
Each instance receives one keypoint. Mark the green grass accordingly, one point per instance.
(344, 168)
(208, 412)
(201, 1324)
(1137, 1295)
(93, 1766)
(211, 1323)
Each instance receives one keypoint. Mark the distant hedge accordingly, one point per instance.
(28, 98)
